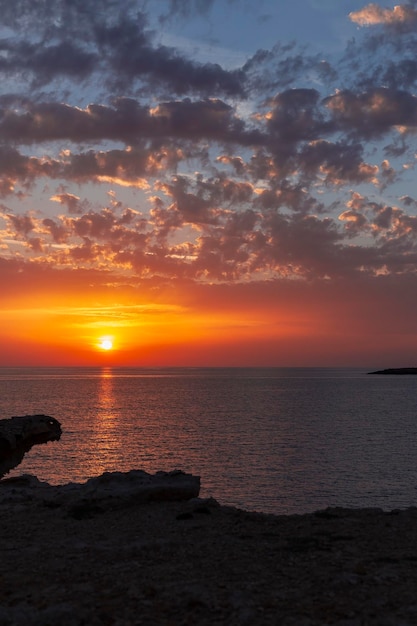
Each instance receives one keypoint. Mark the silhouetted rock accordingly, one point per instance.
(19, 434)
(111, 490)
(397, 371)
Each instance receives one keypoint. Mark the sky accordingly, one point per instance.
(208, 183)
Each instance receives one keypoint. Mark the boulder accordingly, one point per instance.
(19, 434)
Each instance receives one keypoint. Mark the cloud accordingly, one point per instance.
(63, 59)
(22, 224)
(283, 66)
(404, 16)
(59, 40)
(127, 167)
(69, 200)
(373, 113)
(130, 55)
(337, 163)
(127, 121)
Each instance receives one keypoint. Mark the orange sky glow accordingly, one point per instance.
(210, 326)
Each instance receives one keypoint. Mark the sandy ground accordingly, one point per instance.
(197, 562)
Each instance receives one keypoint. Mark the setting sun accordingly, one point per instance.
(106, 343)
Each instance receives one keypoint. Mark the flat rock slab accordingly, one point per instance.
(110, 490)
(196, 562)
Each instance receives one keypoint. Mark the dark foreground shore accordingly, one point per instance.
(196, 562)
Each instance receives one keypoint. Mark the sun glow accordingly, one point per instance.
(105, 343)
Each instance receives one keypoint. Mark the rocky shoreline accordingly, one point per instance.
(71, 557)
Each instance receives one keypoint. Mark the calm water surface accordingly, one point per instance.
(274, 440)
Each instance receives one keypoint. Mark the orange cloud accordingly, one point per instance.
(373, 14)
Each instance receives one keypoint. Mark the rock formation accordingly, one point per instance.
(110, 491)
(19, 434)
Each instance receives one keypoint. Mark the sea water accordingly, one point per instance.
(267, 439)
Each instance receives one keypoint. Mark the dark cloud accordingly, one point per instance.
(408, 201)
(283, 66)
(399, 75)
(23, 224)
(114, 46)
(69, 200)
(337, 163)
(374, 113)
(127, 121)
(47, 62)
(209, 119)
(57, 231)
(130, 55)
(295, 115)
(283, 194)
(50, 121)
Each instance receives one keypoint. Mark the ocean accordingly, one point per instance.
(276, 440)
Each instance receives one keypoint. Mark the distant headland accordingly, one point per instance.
(397, 371)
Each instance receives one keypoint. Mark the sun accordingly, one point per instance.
(106, 343)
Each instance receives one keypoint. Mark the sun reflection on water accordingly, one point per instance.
(106, 399)
(109, 444)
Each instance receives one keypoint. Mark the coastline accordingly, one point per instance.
(195, 561)
(396, 371)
